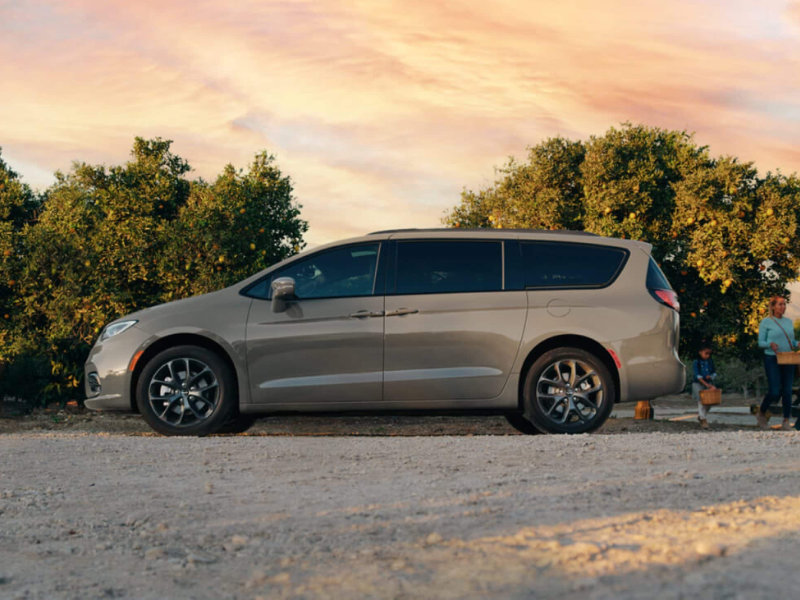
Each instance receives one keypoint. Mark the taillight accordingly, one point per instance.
(667, 298)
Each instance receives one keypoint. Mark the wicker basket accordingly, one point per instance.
(710, 397)
(788, 358)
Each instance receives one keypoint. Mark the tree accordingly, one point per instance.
(111, 240)
(726, 238)
(226, 231)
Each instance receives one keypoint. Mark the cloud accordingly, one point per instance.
(382, 113)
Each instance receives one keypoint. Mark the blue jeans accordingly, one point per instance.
(779, 380)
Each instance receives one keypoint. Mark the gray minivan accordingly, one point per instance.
(548, 328)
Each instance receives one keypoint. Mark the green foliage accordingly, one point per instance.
(726, 238)
(105, 241)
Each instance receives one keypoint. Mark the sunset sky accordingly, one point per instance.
(382, 111)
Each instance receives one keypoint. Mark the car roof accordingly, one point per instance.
(531, 234)
(463, 233)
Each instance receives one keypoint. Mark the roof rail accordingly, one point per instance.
(481, 229)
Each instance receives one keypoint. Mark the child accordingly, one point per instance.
(704, 375)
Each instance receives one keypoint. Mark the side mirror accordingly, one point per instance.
(282, 291)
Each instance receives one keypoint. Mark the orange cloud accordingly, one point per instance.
(383, 112)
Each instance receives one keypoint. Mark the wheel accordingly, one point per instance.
(186, 390)
(521, 424)
(568, 390)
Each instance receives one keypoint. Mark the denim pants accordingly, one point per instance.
(779, 380)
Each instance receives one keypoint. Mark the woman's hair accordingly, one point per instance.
(772, 302)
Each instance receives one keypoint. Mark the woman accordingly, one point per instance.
(776, 334)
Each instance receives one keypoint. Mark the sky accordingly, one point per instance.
(382, 112)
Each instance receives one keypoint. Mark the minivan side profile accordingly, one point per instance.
(549, 328)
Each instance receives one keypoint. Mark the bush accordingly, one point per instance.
(105, 241)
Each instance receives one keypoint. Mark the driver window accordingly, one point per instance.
(335, 273)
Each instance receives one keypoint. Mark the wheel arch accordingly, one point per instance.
(181, 339)
(571, 341)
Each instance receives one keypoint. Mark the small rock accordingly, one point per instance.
(398, 565)
(282, 578)
(162, 527)
(237, 542)
(257, 578)
(709, 549)
(209, 487)
(201, 558)
(154, 554)
(433, 538)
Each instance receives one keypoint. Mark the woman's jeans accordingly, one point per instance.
(779, 380)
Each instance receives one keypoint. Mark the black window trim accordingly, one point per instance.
(380, 271)
(391, 279)
(625, 251)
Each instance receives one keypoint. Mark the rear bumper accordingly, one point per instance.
(647, 380)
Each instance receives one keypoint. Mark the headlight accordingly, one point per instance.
(116, 328)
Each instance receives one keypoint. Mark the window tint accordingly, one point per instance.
(440, 267)
(656, 280)
(559, 264)
(336, 273)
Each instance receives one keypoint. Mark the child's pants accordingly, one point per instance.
(702, 409)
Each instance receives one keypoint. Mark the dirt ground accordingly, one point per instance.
(95, 506)
(80, 420)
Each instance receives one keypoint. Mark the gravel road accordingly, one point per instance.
(654, 515)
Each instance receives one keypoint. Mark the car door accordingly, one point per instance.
(326, 348)
(452, 331)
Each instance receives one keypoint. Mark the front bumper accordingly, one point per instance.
(107, 379)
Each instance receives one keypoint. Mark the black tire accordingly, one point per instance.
(186, 390)
(521, 424)
(568, 390)
(237, 424)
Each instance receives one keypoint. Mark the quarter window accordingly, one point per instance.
(440, 267)
(564, 265)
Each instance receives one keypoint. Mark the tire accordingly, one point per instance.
(568, 390)
(173, 406)
(237, 424)
(521, 424)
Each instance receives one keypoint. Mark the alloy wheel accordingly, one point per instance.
(183, 392)
(570, 391)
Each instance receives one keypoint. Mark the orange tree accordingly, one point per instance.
(726, 237)
(106, 241)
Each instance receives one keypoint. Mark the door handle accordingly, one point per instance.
(402, 311)
(364, 314)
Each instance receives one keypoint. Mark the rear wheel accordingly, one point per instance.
(521, 424)
(568, 390)
(186, 390)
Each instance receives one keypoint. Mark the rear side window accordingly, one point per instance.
(565, 265)
(441, 267)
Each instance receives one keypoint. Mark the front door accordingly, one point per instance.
(327, 347)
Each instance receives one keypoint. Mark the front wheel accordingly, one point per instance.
(568, 390)
(186, 390)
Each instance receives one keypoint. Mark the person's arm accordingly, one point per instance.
(762, 334)
(696, 370)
